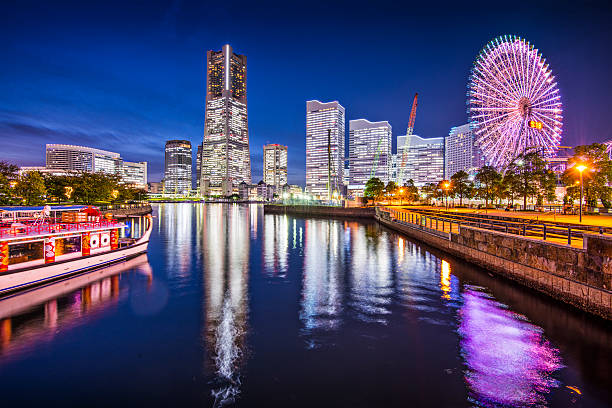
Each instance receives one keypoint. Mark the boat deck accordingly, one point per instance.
(31, 230)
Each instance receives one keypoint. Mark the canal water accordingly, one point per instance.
(231, 307)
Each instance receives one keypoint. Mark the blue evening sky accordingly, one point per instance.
(127, 76)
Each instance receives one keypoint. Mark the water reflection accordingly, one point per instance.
(176, 223)
(226, 262)
(371, 281)
(37, 315)
(509, 362)
(276, 245)
(323, 276)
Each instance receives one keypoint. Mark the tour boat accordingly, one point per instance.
(37, 249)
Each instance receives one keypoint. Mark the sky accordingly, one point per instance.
(127, 76)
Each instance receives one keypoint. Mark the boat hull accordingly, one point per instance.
(21, 279)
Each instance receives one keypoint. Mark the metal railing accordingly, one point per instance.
(547, 231)
(25, 230)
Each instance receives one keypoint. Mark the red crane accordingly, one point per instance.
(408, 133)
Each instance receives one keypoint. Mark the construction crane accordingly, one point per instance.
(376, 158)
(409, 131)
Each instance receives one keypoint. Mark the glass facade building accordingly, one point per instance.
(71, 158)
(324, 130)
(369, 153)
(420, 159)
(225, 160)
(275, 165)
(461, 151)
(177, 169)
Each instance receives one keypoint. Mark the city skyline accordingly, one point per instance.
(147, 94)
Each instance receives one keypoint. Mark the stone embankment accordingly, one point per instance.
(128, 210)
(581, 277)
(320, 211)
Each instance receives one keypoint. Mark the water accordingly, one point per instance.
(232, 307)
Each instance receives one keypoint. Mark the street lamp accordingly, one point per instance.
(581, 168)
(446, 186)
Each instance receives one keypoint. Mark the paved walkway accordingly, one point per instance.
(597, 220)
(403, 214)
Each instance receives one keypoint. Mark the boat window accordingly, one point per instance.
(67, 245)
(26, 251)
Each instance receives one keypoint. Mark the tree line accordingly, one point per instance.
(35, 188)
(528, 177)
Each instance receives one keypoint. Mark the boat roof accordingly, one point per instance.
(40, 208)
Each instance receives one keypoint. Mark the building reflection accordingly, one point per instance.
(323, 276)
(276, 245)
(226, 261)
(38, 315)
(509, 362)
(176, 221)
(371, 281)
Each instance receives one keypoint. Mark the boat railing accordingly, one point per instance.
(24, 230)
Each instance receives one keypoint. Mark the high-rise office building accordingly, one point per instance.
(369, 153)
(177, 169)
(71, 158)
(324, 145)
(275, 165)
(226, 160)
(461, 151)
(198, 166)
(420, 159)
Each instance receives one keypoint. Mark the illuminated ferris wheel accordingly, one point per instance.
(513, 101)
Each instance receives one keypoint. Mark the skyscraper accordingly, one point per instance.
(177, 170)
(369, 153)
(226, 160)
(461, 152)
(324, 130)
(275, 165)
(420, 159)
(198, 166)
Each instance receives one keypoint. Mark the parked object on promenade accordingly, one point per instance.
(34, 252)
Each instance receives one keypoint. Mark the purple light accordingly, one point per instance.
(511, 85)
(508, 360)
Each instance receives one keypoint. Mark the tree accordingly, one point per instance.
(390, 188)
(596, 177)
(430, 191)
(461, 186)
(374, 188)
(31, 187)
(486, 178)
(531, 176)
(411, 192)
(8, 178)
(93, 187)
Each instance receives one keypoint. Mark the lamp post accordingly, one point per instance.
(446, 186)
(581, 168)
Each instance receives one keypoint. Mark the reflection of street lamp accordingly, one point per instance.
(446, 186)
(581, 168)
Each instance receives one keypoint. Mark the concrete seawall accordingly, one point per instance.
(127, 212)
(320, 211)
(581, 277)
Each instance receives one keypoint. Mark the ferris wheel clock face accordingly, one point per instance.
(513, 101)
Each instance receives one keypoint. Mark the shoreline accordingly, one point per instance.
(579, 277)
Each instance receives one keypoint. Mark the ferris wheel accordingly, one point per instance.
(513, 101)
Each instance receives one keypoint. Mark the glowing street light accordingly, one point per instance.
(446, 185)
(581, 168)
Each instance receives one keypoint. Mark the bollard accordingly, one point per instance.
(544, 232)
(569, 235)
